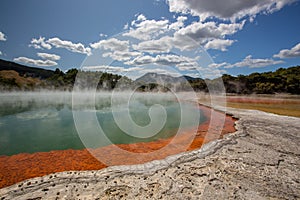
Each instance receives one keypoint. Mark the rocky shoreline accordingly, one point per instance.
(259, 161)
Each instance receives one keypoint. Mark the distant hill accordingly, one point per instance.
(163, 78)
(163, 82)
(155, 78)
(23, 70)
(10, 79)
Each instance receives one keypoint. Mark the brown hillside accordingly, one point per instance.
(21, 82)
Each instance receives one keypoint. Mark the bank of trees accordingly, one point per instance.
(86, 80)
(280, 81)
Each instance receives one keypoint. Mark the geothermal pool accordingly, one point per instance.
(42, 122)
(38, 135)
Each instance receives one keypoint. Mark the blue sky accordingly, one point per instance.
(193, 37)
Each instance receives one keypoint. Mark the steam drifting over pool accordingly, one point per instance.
(35, 122)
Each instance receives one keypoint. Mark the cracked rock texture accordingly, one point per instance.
(260, 161)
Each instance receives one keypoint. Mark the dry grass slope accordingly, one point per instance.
(19, 81)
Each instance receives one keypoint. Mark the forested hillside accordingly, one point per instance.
(280, 81)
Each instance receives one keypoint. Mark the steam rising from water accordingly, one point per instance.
(43, 121)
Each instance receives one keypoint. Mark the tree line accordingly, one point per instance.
(281, 81)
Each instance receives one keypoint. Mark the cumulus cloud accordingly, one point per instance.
(289, 53)
(166, 44)
(254, 63)
(218, 44)
(178, 24)
(184, 42)
(181, 62)
(161, 36)
(141, 17)
(126, 26)
(188, 66)
(111, 44)
(147, 29)
(40, 43)
(162, 45)
(167, 60)
(210, 73)
(229, 10)
(102, 35)
(160, 71)
(74, 47)
(0, 53)
(40, 63)
(217, 65)
(122, 55)
(210, 34)
(200, 32)
(111, 69)
(47, 56)
(2, 36)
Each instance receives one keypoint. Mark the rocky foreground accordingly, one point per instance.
(259, 161)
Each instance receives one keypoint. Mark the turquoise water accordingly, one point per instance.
(44, 122)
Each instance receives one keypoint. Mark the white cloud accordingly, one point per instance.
(2, 37)
(254, 63)
(147, 29)
(162, 36)
(39, 43)
(166, 60)
(289, 53)
(141, 60)
(188, 66)
(0, 53)
(162, 45)
(166, 71)
(166, 44)
(217, 65)
(229, 10)
(141, 17)
(178, 24)
(210, 73)
(184, 42)
(181, 62)
(209, 34)
(102, 35)
(41, 63)
(126, 26)
(200, 32)
(218, 44)
(133, 22)
(74, 47)
(111, 44)
(122, 55)
(111, 69)
(47, 56)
